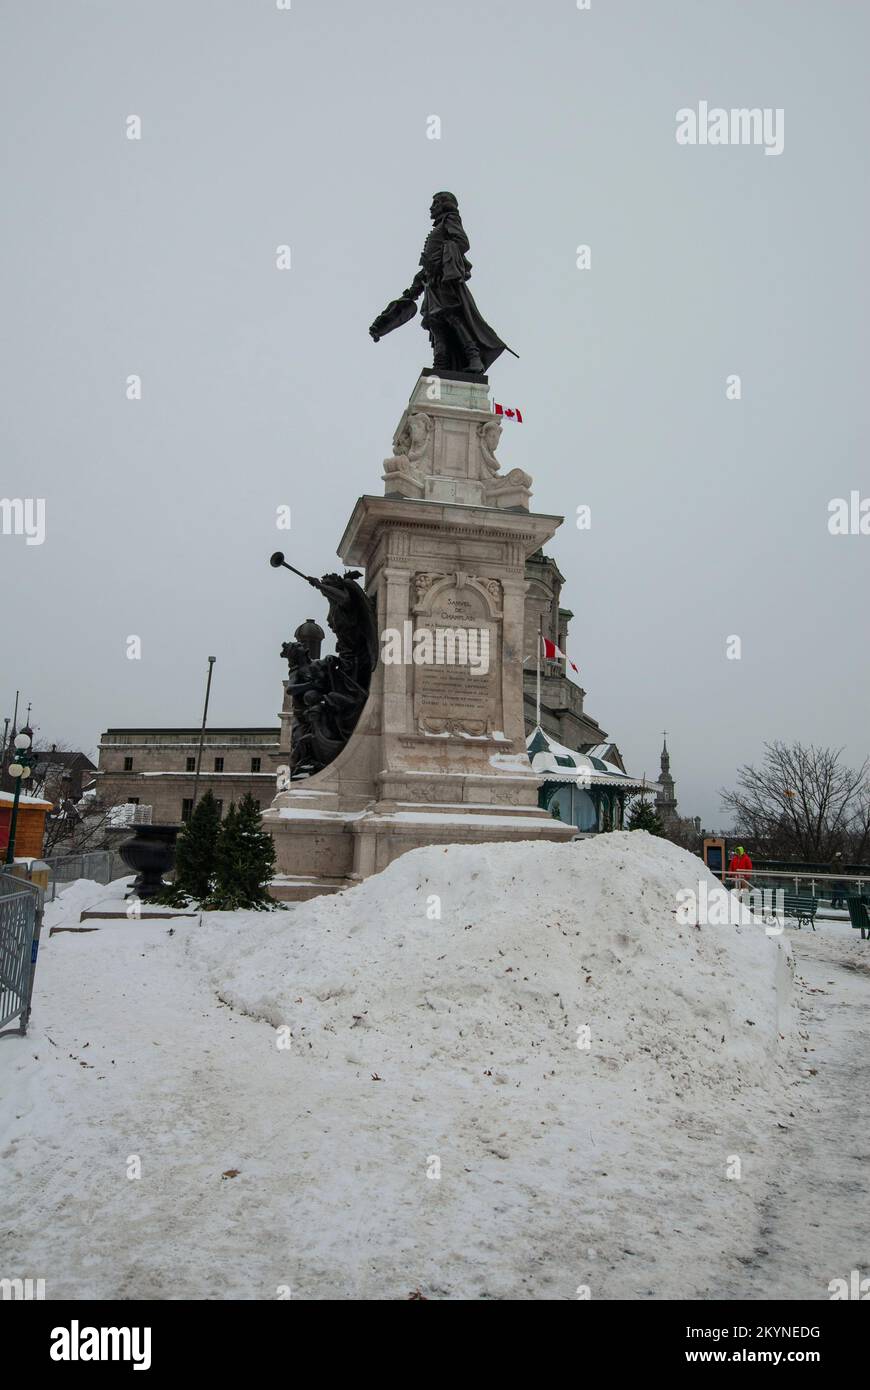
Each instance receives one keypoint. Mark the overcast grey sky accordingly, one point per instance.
(261, 387)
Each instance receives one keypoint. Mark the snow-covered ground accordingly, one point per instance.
(360, 1098)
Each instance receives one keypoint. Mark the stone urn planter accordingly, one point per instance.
(151, 854)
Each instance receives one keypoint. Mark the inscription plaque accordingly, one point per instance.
(459, 691)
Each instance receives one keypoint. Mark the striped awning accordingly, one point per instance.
(553, 762)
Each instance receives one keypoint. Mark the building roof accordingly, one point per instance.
(56, 757)
(210, 729)
(553, 762)
(607, 752)
(6, 798)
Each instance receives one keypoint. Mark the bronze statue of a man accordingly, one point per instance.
(461, 338)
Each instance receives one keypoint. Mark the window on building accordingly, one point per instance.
(255, 764)
(128, 764)
(186, 809)
(218, 764)
(191, 764)
(132, 801)
(583, 810)
(220, 806)
(559, 805)
(574, 806)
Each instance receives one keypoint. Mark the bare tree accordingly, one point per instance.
(859, 839)
(76, 829)
(801, 803)
(51, 778)
(72, 827)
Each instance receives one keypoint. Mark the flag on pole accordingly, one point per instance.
(509, 412)
(554, 653)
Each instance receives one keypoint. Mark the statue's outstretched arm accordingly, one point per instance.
(336, 593)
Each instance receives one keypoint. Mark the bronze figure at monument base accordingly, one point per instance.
(328, 693)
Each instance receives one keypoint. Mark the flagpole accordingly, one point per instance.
(538, 682)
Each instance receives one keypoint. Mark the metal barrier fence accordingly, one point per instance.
(102, 865)
(20, 927)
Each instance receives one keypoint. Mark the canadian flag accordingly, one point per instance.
(554, 653)
(509, 412)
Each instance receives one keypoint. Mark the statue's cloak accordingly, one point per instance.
(489, 344)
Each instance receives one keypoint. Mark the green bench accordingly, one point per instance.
(859, 915)
(801, 906)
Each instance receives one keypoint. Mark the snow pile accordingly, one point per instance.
(438, 1115)
(71, 899)
(432, 1124)
(533, 943)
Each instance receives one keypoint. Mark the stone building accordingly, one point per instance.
(584, 780)
(156, 768)
(562, 714)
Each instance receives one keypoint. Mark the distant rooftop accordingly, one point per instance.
(57, 757)
(210, 729)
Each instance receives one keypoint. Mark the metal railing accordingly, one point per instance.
(835, 887)
(20, 927)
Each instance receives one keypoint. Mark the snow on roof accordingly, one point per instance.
(9, 797)
(553, 762)
(598, 750)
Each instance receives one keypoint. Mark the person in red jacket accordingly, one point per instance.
(740, 862)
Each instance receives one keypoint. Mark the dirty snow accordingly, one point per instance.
(415, 1038)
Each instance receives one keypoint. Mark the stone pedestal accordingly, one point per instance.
(444, 447)
(438, 755)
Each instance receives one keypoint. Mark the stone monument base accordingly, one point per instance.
(438, 755)
(325, 852)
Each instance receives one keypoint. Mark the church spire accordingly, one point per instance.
(666, 800)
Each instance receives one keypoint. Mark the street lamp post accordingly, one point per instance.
(20, 770)
(211, 662)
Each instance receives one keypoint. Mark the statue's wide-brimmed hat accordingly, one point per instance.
(396, 313)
